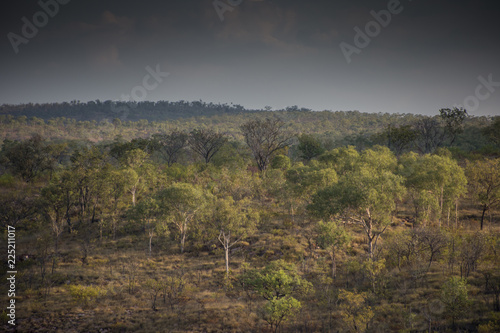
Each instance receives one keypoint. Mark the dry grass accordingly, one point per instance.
(120, 268)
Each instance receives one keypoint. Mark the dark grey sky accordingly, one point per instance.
(432, 54)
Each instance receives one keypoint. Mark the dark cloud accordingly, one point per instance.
(264, 52)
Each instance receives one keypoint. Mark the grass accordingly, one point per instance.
(116, 298)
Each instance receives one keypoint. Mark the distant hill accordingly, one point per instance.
(104, 121)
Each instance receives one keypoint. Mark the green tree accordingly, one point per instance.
(54, 205)
(492, 132)
(137, 172)
(454, 121)
(342, 160)
(279, 283)
(31, 157)
(309, 147)
(304, 181)
(181, 202)
(332, 237)
(276, 310)
(280, 162)
(366, 195)
(484, 184)
(150, 215)
(434, 182)
(399, 138)
(233, 221)
(455, 298)
(354, 311)
(277, 280)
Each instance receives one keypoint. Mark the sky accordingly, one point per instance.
(408, 56)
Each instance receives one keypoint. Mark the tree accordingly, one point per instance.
(170, 145)
(265, 138)
(17, 206)
(31, 157)
(484, 184)
(455, 298)
(279, 283)
(492, 132)
(366, 195)
(304, 181)
(332, 237)
(309, 147)
(432, 240)
(278, 309)
(277, 280)
(233, 221)
(137, 172)
(206, 142)
(149, 214)
(54, 204)
(342, 160)
(354, 312)
(280, 162)
(434, 182)
(181, 202)
(454, 121)
(431, 135)
(399, 138)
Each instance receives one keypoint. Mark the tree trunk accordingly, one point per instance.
(441, 206)
(133, 196)
(485, 208)
(183, 240)
(369, 233)
(334, 264)
(226, 248)
(150, 242)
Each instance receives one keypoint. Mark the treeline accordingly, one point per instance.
(334, 129)
(129, 111)
(307, 237)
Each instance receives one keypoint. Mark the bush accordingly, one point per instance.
(85, 295)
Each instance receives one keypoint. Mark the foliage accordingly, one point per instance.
(276, 310)
(86, 295)
(434, 182)
(354, 312)
(365, 193)
(277, 280)
(180, 202)
(332, 237)
(233, 221)
(484, 183)
(280, 162)
(455, 298)
(309, 147)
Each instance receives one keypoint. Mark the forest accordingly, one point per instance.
(196, 217)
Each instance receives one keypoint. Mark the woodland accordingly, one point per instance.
(200, 217)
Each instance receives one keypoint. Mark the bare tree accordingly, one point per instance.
(170, 145)
(265, 138)
(206, 143)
